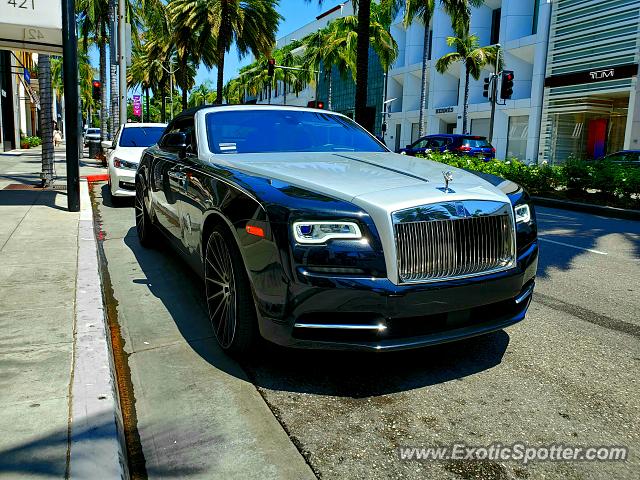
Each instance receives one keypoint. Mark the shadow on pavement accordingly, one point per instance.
(45, 198)
(45, 456)
(350, 374)
(582, 230)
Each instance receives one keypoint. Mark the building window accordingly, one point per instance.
(495, 26)
(536, 11)
(415, 132)
(517, 138)
(480, 127)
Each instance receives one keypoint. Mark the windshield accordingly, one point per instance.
(140, 136)
(263, 131)
(475, 142)
(93, 130)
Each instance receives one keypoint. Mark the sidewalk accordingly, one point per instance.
(39, 243)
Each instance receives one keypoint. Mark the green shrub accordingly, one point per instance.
(578, 175)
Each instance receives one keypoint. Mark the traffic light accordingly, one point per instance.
(97, 90)
(315, 104)
(485, 93)
(506, 90)
(271, 66)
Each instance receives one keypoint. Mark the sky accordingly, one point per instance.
(296, 13)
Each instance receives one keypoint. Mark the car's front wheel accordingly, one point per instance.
(229, 300)
(144, 225)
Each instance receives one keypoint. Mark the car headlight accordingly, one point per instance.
(119, 163)
(320, 232)
(523, 213)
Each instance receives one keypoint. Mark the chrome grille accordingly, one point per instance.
(456, 247)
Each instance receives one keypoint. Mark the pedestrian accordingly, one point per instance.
(57, 137)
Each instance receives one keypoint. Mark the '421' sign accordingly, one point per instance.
(31, 25)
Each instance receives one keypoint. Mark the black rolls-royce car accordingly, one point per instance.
(310, 233)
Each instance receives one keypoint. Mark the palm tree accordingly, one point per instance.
(86, 74)
(336, 45)
(94, 21)
(460, 13)
(474, 57)
(203, 94)
(249, 24)
(46, 118)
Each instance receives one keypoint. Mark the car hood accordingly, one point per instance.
(385, 180)
(130, 154)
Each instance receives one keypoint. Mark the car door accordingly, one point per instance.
(192, 195)
(165, 167)
(419, 147)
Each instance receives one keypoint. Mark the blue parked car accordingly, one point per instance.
(470, 145)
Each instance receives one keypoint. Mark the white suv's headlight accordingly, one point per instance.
(523, 213)
(119, 163)
(320, 232)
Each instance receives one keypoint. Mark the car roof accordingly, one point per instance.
(192, 111)
(141, 125)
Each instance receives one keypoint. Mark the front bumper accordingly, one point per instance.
(122, 182)
(338, 313)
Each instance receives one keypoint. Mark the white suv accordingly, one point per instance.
(123, 155)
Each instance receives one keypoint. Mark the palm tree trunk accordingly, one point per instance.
(113, 71)
(147, 109)
(184, 99)
(104, 114)
(362, 60)
(330, 94)
(46, 118)
(223, 37)
(465, 110)
(422, 123)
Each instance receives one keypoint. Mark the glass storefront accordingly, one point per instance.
(517, 137)
(343, 92)
(595, 128)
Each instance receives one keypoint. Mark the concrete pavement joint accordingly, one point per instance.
(97, 439)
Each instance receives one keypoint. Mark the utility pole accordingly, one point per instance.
(122, 58)
(171, 74)
(71, 98)
(494, 93)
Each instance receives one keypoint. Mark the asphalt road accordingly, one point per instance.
(566, 375)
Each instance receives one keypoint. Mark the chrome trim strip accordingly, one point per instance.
(523, 296)
(379, 328)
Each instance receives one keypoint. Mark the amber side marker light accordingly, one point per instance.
(253, 230)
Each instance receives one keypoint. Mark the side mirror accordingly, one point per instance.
(175, 142)
(106, 144)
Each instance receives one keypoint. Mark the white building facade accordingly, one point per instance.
(576, 88)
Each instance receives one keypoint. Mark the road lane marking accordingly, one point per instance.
(572, 246)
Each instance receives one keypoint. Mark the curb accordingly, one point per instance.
(97, 448)
(100, 177)
(613, 212)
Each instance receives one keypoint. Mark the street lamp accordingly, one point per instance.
(171, 74)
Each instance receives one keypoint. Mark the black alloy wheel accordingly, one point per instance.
(144, 225)
(229, 299)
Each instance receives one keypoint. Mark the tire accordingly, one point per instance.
(229, 299)
(147, 233)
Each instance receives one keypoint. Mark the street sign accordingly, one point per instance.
(31, 25)
(137, 106)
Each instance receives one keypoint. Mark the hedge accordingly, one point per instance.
(576, 178)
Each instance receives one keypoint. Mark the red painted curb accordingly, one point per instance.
(102, 177)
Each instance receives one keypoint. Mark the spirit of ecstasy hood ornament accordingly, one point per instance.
(448, 177)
